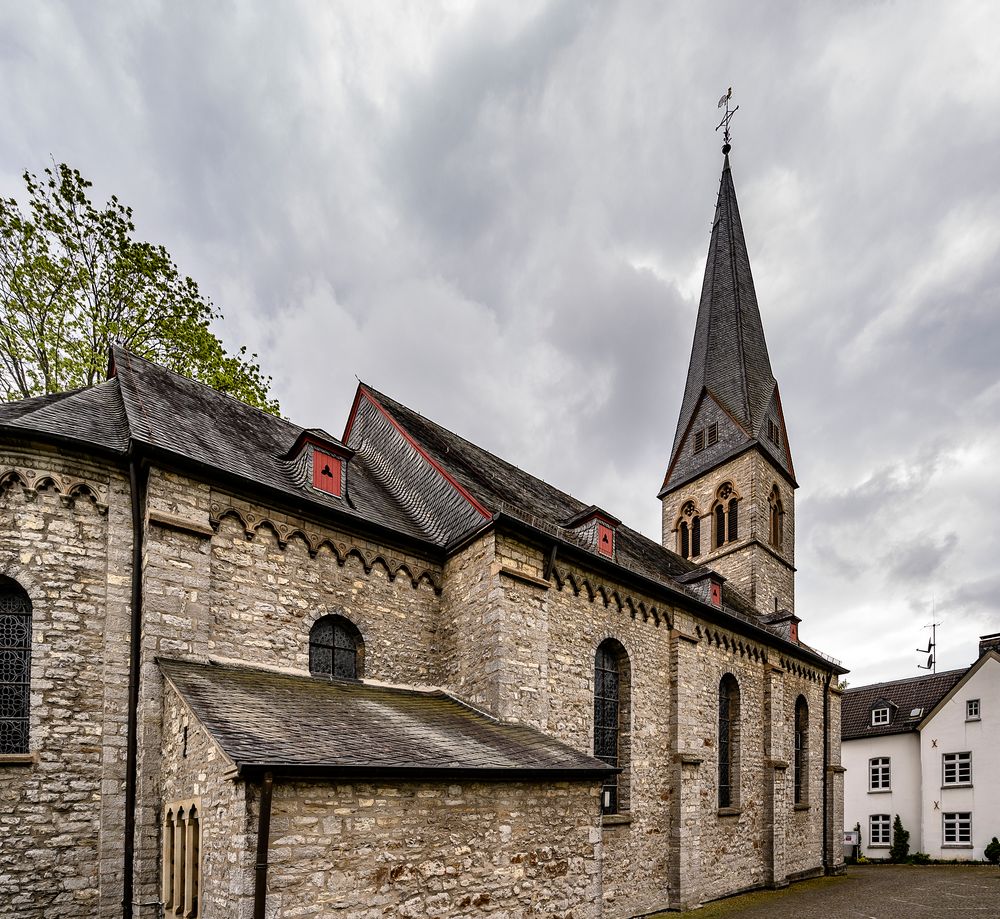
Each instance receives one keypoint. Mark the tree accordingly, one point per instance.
(900, 848)
(992, 851)
(73, 280)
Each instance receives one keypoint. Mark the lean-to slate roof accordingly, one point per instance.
(903, 696)
(729, 358)
(262, 719)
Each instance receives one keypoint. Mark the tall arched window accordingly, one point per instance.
(729, 741)
(776, 536)
(336, 649)
(611, 721)
(689, 531)
(801, 751)
(726, 515)
(15, 667)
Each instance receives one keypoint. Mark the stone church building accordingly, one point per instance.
(251, 669)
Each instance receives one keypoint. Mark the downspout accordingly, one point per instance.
(826, 773)
(263, 832)
(137, 490)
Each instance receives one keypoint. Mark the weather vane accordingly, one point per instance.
(724, 101)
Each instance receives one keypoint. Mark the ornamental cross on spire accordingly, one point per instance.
(724, 101)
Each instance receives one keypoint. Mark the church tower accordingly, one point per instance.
(728, 494)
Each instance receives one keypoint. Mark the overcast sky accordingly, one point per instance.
(499, 213)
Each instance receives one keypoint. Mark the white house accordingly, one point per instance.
(928, 749)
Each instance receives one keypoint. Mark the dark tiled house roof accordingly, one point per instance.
(300, 724)
(903, 697)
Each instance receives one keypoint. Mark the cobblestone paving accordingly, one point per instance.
(872, 892)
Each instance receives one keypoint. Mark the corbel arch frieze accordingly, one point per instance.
(596, 591)
(68, 487)
(340, 546)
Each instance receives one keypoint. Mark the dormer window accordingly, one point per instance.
(326, 472)
(880, 716)
(595, 529)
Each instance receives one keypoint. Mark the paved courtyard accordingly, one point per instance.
(873, 892)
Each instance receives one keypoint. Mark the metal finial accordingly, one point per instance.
(724, 101)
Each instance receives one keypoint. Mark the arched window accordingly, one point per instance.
(801, 751)
(777, 535)
(689, 531)
(729, 741)
(336, 649)
(15, 667)
(726, 515)
(611, 721)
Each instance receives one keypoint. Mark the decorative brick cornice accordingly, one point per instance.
(342, 546)
(69, 487)
(599, 592)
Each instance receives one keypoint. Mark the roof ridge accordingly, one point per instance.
(912, 679)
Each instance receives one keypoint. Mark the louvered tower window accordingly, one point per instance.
(336, 649)
(15, 667)
(720, 525)
(696, 537)
(734, 520)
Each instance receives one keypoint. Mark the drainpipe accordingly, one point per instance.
(826, 773)
(137, 491)
(263, 832)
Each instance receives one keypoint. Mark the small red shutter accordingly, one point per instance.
(605, 540)
(326, 473)
(716, 593)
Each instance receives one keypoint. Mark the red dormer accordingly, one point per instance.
(595, 527)
(319, 460)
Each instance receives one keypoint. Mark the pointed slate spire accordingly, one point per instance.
(729, 359)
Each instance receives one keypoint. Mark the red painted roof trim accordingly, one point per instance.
(413, 443)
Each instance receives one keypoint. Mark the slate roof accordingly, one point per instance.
(501, 486)
(729, 355)
(148, 404)
(923, 692)
(301, 724)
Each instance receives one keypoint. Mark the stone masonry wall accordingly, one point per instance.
(428, 849)
(65, 537)
(240, 592)
(194, 767)
(750, 564)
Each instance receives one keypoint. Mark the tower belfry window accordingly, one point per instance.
(725, 515)
(776, 534)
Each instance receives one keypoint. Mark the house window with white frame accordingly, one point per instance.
(957, 768)
(880, 715)
(879, 773)
(878, 829)
(972, 710)
(957, 828)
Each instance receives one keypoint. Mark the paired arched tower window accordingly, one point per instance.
(336, 649)
(689, 532)
(612, 716)
(729, 741)
(15, 667)
(726, 515)
(776, 531)
(801, 764)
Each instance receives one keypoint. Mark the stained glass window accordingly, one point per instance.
(15, 667)
(609, 687)
(729, 740)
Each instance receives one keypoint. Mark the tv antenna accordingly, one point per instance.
(930, 650)
(724, 101)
